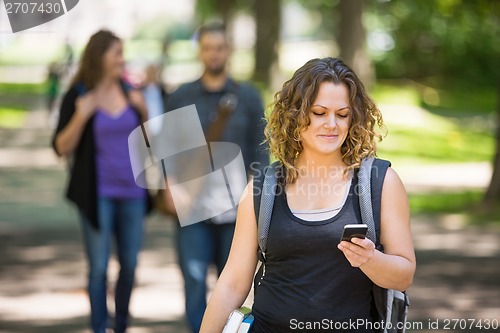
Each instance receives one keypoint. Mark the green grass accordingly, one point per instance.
(22, 88)
(459, 101)
(32, 50)
(395, 94)
(16, 100)
(450, 100)
(466, 203)
(418, 135)
(428, 146)
(458, 202)
(413, 136)
(11, 118)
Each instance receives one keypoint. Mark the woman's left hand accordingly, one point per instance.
(358, 252)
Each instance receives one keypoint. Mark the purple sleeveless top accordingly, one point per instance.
(114, 170)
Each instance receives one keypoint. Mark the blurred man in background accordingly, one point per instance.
(231, 112)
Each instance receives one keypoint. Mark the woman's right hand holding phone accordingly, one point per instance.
(358, 251)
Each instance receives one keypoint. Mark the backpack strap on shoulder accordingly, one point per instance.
(371, 179)
(126, 87)
(264, 192)
(379, 170)
(258, 179)
(365, 197)
(80, 88)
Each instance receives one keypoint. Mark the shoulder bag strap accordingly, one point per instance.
(226, 108)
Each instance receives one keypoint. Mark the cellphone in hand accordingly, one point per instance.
(354, 230)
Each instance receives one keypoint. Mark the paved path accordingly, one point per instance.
(42, 268)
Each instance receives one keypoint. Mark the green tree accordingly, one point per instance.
(267, 15)
(221, 9)
(342, 22)
(443, 40)
(492, 195)
(447, 44)
(352, 39)
(268, 20)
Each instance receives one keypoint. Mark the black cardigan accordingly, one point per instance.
(82, 186)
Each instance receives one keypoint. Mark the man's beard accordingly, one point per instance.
(215, 71)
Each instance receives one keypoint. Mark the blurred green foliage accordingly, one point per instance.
(440, 41)
(164, 30)
(22, 52)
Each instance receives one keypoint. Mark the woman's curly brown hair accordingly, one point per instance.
(289, 116)
(90, 71)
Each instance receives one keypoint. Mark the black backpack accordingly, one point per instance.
(391, 306)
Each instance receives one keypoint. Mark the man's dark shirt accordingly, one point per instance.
(245, 127)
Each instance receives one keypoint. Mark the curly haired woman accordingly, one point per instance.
(321, 126)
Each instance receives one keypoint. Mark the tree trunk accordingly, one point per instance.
(222, 10)
(492, 195)
(219, 10)
(225, 8)
(351, 40)
(268, 22)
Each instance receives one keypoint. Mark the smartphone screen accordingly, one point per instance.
(354, 230)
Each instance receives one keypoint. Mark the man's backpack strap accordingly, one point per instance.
(264, 191)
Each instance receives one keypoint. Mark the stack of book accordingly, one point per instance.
(239, 321)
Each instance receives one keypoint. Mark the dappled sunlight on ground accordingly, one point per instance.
(43, 281)
(457, 270)
(448, 234)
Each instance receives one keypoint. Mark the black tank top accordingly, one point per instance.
(308, 284)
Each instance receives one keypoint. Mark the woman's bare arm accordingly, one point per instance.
(395, 267)
(236, 279)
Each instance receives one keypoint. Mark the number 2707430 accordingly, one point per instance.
(33, 7)
(467, 324)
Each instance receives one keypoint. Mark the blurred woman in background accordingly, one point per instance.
(97, 114)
